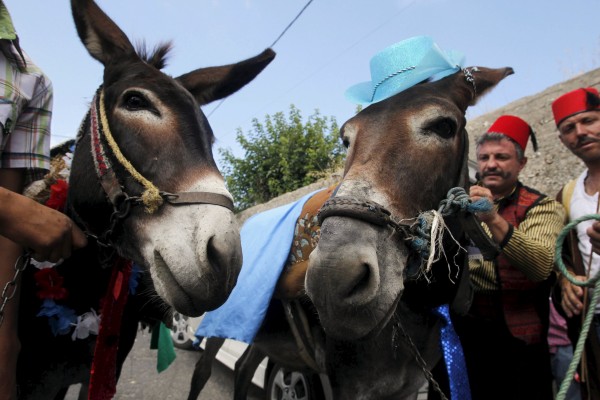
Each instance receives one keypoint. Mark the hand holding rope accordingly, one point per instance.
(457, 200)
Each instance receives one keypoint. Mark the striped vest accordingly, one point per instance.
(524, 302)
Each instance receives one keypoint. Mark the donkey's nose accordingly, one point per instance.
(224, 255)
(349, 280)
(217, 257)
(360, 280)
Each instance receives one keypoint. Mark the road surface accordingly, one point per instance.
(141, 381)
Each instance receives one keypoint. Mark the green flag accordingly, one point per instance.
(161, 340)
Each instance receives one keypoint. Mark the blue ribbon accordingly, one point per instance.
(453, 357)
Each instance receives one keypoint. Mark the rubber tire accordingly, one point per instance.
(179, 332)
(283, 381)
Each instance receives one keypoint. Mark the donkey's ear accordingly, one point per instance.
(481, 80)
(468, 85)
(104, 40)
(214, 83)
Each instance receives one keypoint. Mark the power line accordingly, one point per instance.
(337, 56)
(276, 40)
(216, 107)
(291, 23)
(343, 51)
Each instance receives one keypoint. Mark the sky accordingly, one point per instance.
(325, 51)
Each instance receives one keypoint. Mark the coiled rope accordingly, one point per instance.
(587, 322)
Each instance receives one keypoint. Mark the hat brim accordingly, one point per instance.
(362, 93)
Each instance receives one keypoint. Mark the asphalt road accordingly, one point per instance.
(141, 381)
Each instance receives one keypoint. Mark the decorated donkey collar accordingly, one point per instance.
(63, 320)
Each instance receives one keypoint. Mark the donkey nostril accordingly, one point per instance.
(360, 283)
(215, 256)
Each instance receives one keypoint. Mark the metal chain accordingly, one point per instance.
(10, 289)
(469, 77)
(420, 360)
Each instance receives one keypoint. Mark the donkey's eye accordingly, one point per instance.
(443, 127)
(134, 101)
(348, 133)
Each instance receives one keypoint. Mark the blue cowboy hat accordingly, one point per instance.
(403, 65)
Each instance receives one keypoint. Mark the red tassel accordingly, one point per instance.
(118, 285)
(103, 379)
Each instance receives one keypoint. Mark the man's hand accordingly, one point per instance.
(571, 296)
(47, 233)
(594, 233)
(497, 225)
(480, 192)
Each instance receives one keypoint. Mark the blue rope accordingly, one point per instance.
(420, 242)
(457, 200)
(481, 205)
(421, 245)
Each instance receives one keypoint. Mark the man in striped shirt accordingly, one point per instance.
(25, 113)
(504, 333)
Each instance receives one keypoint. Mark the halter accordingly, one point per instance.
(152, 198)
(420, 233)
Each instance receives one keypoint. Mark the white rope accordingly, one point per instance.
(436, 249)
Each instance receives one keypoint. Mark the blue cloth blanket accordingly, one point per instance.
(266, 242)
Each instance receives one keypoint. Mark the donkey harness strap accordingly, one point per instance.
(198, 198)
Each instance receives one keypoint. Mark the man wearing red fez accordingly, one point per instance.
(504, 333)
(577, 117)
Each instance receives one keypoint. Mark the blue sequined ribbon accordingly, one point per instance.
(454, 357)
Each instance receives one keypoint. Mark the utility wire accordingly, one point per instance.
(216, 108)
(276, 40)
(291, 23)
(341, 53)
(337, 56)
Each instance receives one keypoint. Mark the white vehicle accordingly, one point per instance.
(279, 382)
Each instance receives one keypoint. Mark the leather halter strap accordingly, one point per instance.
(368, 211)
(183, 198)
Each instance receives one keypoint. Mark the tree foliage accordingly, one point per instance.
(281, 155)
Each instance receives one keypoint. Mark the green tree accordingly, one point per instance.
(281, 155)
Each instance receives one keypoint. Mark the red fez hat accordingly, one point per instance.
(574, 102)
(515, 128)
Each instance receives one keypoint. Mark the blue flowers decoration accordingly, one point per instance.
(60, 318)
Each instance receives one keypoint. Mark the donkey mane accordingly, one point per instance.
(157, 57)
